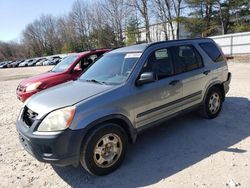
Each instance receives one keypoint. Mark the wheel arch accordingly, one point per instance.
(117, 119)
(215, 84)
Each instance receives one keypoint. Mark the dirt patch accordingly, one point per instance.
(188, 151)
(8, 78)
(240, 59)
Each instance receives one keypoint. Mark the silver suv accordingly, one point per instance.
(92, 119)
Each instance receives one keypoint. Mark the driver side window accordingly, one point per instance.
(84, 63)
(159, 62)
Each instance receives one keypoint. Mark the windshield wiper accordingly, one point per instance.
(95, 81)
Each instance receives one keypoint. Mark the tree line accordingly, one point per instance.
(104, 23)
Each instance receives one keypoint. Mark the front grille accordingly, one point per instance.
(29, 116)
(20, 87)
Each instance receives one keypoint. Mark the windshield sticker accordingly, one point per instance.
(133, 55)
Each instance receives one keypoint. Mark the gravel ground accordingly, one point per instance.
(184, 152)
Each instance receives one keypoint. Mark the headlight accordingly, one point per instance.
(58, 120)
(32, 87)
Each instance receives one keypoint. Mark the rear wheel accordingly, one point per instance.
(104, 149)
(213, 103)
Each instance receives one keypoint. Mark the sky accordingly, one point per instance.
(16, 14)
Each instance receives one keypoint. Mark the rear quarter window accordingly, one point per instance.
(212, 51)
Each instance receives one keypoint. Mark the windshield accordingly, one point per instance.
(64, 64)
(113, 68)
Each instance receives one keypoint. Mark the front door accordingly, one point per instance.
(157, 100)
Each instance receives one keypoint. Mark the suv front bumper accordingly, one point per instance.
(60, 148)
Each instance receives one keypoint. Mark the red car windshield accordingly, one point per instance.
(64, 64)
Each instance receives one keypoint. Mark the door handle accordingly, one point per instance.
(206, 72)
(174, 82)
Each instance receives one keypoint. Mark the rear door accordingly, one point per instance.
(189, 63)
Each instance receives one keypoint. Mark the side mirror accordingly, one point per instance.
(145, 78)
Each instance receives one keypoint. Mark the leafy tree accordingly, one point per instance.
(132, 32)
(143, 7)
(213, 17)
(201, 21)
(116, 12)
(105, 23)
(103, 37)
(241, 16)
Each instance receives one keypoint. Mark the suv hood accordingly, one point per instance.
(63, 95)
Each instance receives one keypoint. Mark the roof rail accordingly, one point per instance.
(177, 40)
(117, 47)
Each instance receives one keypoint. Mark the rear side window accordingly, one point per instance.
(186, 58)
(212, 51)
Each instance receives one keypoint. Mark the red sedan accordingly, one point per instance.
(70, 68)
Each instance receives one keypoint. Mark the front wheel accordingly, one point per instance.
(213, 103)
(104, 149)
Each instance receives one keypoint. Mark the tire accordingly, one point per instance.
(104, 149)
(213, 103)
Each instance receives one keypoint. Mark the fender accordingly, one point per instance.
(209, 86)
(120, 119)
(127, 125)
